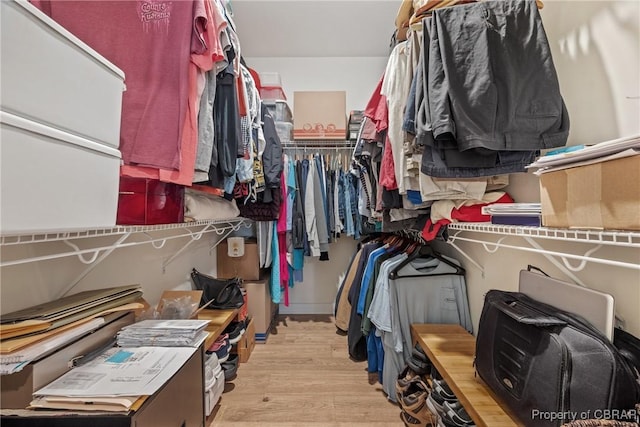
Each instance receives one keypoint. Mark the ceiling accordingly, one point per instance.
(314, 28)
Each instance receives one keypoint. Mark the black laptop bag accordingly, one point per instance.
(549, 366)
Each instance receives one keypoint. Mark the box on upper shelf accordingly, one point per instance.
(320, 115)
(603, 195)
(247, 266)
(59, 180)
(284, 131)
(143, 201)
(272, 93)
(80, 93)
(279, 110)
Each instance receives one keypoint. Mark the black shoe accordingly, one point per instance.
(230, 367)
(235, 331)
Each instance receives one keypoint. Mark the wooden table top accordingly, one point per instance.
(452, 350)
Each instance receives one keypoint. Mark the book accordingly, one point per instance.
(96, 403)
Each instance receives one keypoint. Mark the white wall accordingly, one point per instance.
(25, 285)
(357, 76)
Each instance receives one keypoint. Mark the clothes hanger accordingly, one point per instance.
(425, 251)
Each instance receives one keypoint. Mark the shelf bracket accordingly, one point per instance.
(79, 253)
(565, 266)
(554, 261)
(467, 256)
(194, 237)
(93, 265)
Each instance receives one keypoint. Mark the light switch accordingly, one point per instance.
(235, 247)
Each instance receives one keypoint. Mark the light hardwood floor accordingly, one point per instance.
(303, 376)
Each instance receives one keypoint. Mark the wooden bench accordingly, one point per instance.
(452, 349)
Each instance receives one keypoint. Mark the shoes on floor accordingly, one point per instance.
(404, 379)
(235, 330)
(414, 398)
(442, 388)
(436, 402)
(230, 367)
(221, 347)
(419, 362)
(456, 416)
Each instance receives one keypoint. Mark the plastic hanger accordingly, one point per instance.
(425, 251)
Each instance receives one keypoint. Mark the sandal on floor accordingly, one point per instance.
(419, 421)
(414, 398)
(404, 379)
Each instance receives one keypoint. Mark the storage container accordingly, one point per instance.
(54, 180)
(601, 196)
(279, 110)
(261, 309)
(270, 78)
(52, 77)
(272, 93)
(320, 115)
(284, 131)
(246, 267)
(143, 201)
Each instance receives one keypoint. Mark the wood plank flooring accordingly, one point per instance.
(303, 376)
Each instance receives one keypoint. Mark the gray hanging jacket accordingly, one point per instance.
(272, 157)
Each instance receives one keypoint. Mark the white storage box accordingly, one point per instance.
(279, 110)
(212, 394)
(53, 180)
(269, 79)
(51, 76)
(284, 131)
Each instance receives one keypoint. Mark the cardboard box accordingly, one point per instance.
(604, 195)
(247, 266)
(260, 307)
(320, 115)
(247, 342)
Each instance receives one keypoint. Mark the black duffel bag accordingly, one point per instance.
(550, 366)
(218, 293)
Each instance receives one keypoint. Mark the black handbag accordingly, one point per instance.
(218, 293)
(629, 347)
(543, 361)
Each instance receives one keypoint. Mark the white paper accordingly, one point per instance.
(35, 350)
(591, 152)
(626, 153)
(121, 372)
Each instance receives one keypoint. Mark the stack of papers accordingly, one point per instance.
(18, 352)
(604, 151)
(114, 380)
(164, 333)
(15, 361)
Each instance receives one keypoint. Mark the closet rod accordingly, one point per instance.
(319, 144)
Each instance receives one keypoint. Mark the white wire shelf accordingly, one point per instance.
(122, 236)
(616, 238)
(595, 239)
(21, 239)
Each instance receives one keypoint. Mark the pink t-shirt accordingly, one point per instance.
(151, 41)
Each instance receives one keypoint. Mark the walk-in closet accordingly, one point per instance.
(226, 213)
